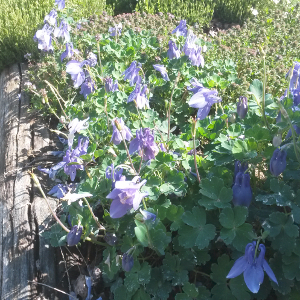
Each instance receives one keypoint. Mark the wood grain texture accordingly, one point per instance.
(25, 255)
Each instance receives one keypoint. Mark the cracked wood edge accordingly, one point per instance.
(25, 255)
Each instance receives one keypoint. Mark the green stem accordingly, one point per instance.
(194, 148)
(144, 203)
(92, 213)
(170, 104)
(105, 110)
(99, 58)
(256, 248)
(264, 95)
(128, 155)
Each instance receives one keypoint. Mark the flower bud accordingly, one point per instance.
(127, 262)
(74, 235)
(242, 192)
(242, 107)
(277, 140)
(278, 162)
(148, 215)
(111, 239)
(232, 118)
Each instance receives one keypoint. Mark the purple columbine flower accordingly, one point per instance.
(127, 262)
(278, 162)
(69, 51)
(173, 51)
(148, 215)
(110, 86)
(163, 71)
(138, 95)
(62, 31)
(190, 44)
(44, 39)
(181, 29)
(132, 73)
(196, 57)
(126, 195)
(144, 143)
(51, 18)
(74, 235)
(75, 69)
(241, 190)
(289, 134)
(60, 4)
(203, 100)
(52, 171)
(73, 156)
(116, 30)
(76, 126)
(253, 267)
(242, 107)
(87, 87)
(162, 147)
(115, 174)
(119, 130)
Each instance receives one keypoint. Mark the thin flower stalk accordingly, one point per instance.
(92, 213)
(170, 104)
(194, 147)
(36, 181)
(128, 155)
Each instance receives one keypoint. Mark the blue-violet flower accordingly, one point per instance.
(181, 29)
(74, 235)
(278, 162)
(127, 262)
(242, 107)
(132, 73)
(241, 190)
(173, 51)
(163, 71)
(126, 195)
(252, 267)
(62, 31)
(120, 131)
(144, 143)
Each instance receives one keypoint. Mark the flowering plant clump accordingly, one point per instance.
(159, 174)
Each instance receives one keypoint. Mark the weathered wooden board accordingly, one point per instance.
(24, 254)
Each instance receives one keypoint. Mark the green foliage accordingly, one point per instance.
(19, 20)
(188, 250)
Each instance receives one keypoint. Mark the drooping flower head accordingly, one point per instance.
(253, 267)
(73, 156)
(173, 51)
(181, 29)
(163, 71)
(278, 162)
(60, 4)
(74, 235)
(242, 107)
(92, 59)
(132, 73)
(126, 195)
(116, 30)
(144, 143)
(139, 96)
(110, 86)
(196, 57)
(51, 18)
(87, 87)
(44, 38)
(119, 130)
(69, 51)
(241, 190)
(75, 69)
(62, 31)
(203, 100)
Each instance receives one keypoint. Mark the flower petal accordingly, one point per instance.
(254, 276)
(269, 271)
(238, 268)
(118, 210)
(198, 101)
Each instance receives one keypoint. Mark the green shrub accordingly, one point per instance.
(19, 20)
(193, 11)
